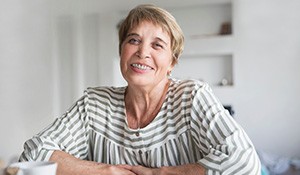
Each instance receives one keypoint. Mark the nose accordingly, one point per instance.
(143, 51)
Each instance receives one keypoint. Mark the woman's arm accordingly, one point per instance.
(69, 133)
(69, 165)
(225, 146)
(188, 169)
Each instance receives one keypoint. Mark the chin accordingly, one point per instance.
(138, 81)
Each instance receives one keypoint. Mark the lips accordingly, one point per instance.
(141, 66)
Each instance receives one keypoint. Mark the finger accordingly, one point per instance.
(140, 170)
(128, 167)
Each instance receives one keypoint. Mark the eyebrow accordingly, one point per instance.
(158, 38)
(132, 34)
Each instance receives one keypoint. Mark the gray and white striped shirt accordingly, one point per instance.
(191, 127)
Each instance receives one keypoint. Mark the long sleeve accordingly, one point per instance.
(224, 144)
(68, 133)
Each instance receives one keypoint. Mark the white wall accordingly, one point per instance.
(85, 49)
(25, 72)
(267, 73)
(266, 67)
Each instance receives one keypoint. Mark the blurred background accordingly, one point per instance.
(248, 50)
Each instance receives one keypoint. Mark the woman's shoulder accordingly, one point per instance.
(188, 84)
(105, 91)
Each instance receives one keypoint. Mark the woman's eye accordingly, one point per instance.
(134, 41)
(157, 45)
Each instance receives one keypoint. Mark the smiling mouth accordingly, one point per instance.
(141, 67)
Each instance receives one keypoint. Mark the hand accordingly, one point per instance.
(141, 170)
(116, 170)
(188, 169)
(69, 165)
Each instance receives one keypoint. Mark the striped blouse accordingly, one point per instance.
(191, 127)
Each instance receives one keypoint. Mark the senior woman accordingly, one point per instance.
(155, 125)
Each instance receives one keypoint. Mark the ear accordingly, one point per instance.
(171, 67)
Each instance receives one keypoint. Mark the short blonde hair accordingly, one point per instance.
(157, 16)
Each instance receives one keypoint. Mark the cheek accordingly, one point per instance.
(126, 51)
(122, 61)
(124, 57)
(167, 62)
(122, 50)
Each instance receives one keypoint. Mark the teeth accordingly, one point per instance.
(139, 66)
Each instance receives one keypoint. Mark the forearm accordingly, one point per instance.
(69, 165)
(188, 169)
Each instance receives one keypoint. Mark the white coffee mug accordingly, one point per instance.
(36, 168)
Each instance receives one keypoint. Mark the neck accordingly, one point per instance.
(142, 106)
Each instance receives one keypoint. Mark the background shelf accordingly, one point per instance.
(209, 68)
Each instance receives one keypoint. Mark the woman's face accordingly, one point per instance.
(146, 55)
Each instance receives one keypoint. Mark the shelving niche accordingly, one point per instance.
(208, 55)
